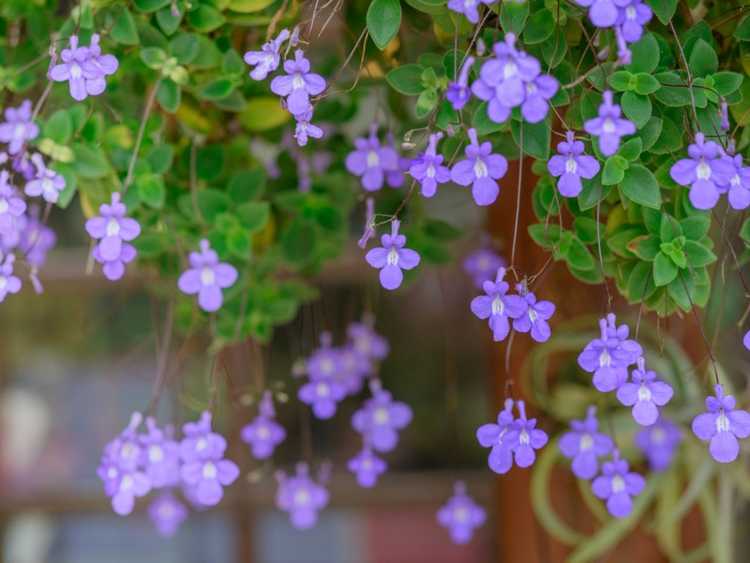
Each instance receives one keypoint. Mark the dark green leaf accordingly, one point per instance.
(90, 162)
(614, 170)
(743, 29)
(621, 80)
(703, 59)
(150, 5)
(644, 54)
(636, 108)
(695, 227)
(664, 270)
(406, 79)
(216, 90)
(124, 30)
(298, 242)
(383, 21)
(539, 27)
(59, 127)
(698, 255)
(631, 149)
(169, 95)
(205, 18)
(160, 158)
(536, 137)
(639, 185)
(168, 21)
(211, 203)
(254, 215)
(664, 9)
(185, 47)
(247, 185)
(726, 82)
(513, 16)
(646, 84)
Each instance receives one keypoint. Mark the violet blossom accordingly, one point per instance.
(534, 315)
(492, 435)
(301, 497)
(524, 438)
(722, 425)
(9, 283)
(608, 126)
(322, 395)
(481, 170)
(367, 467)
(617, 485)
(161, 456)
(84, 68)
(36, 239)
(469, 8)
(602, 13)
(706, 171)
(584, 445)
(461, 515)
(366, 341)
(18, 127)
(645, 394)
(263, 434)
(46, 183)
(167, 514)
(458, 92)
(482, 265)
(304, 129)
(632, 17)
(659, 442)
(12, 207)
(372, 161)
(113, 230)
(497, 306)
(428, 168)
(392, 257)
(298, 84)
(206, 277)
(570, 165)
(268, 58)
(739, 183)
(380, 419)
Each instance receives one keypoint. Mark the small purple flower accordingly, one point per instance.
(617, 486)
(461, 515)
(268, 58)
(161, 456)
(12, 207)
(366, 341)
(584, 445)
(167, 514)
(645, 394)
(207, 479)
(298, 85)
(325, 361)
(739, 183)
(46, 183)
(481, 169)
(535, 315)
(492, 435)
(84, 68)
(371, 160)
(632, 16)
(367, 467)
(482, 265)
(199, 442)
(305, 129)
(539, 91)
(497, 306)
(18, 128)
(380, 418)
(602, 13)
(658, 443)
(706, 171)
(570, 165)
(469, 8)
(113, 266)
(458, 92)
(428, 169)
(36, 239)
(609, 127)
(746, 340)
(524, 438)
(724, 116)
(9, 283)
(354, 368)
(207, 277)
(301, 497)
(113, 229)
(609, 356)
(322, 395)
(392, 257)
(263, 434)
(722, 425)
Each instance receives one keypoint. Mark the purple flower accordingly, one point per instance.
(524, 438)
(461, 515)
(354, 368)
(298, 85)
(482, 265)
(366, 341)
(533, 319)
(207, 277)
(46, 183)
(200, 442)
(739, 183)
(428, 169)
(372, 161)
(114, 268)
(84, 68)
(746, 340)
(9, 284)
(305, 129)
(497, 306)
(617, 486)
(609, 356)
(722, 425)
(12, 207)
(481, 169)
(538, 93)
(167, 514)
(301, 497)
(263, 434)
(113, 229)
(706, 171)
(602, 13)
(632, 16)
(392, 257)
(324, 362)
(161, 456)
(584, 445)
(367, 467)
(36, 239)
(609, 127)
(492, 435)
(322, 395)
(18, 128)
(458, 92)
(380, 418)
(570, 165)
(268, 58)
(645, 394)
(659, 442)
(469, 8)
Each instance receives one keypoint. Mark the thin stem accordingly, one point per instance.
(687, 71)
(162, 361)
(42, 99)
(139, 138)
(194, 180)
(601, 257)
(518, 200)
(703, 334)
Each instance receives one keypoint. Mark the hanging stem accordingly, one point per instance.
(139, 138)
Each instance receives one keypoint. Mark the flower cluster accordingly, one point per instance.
(84, 68)
(18, 128)
(499, 308)
(584, 444)
(469, 8)
(301, 496)
(511, 438)
(113, 230)
(482, 265)
(263, 434)
(392, 257)
(609, 356)
(628, 17)
(461, 515)
(206, 277)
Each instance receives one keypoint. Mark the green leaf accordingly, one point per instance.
(646, 248)
(539, 27)
(124, 30)
(743, 29)
(650, 132)
(644, 54)
(441, 230)
(383, 21)
(670, 138)
(621, 80)
(664, 270)
(216, 90)
(646, 84)
(406, 79)
(298, 242)
(212, 203)
(150, 5)
(536, 137)
(664, 9)
(59, 127)
(640, 282)
(254, 215)
(247, 185)
(153, 57)
(169, 95)
(577, 255)
(160, 158)
(426, 102)
(90, 162)
(696, 226)
(238, 242)
(206, 18)
(631, 149)
(262, 113)
(249, 6)
(614, 170)
(482, 123)
(150, 189)
(546, 236)
(703, 59)
(592, 193)
(669, 228)
(185, 47)
(513, 16)
(639, 185)
(636, 108)
(168, 21)
(727, 82)
(673, 92)
(698, 255)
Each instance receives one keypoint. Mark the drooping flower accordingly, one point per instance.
(584, 445)
(659, 442)
(706, 171)
(298, 84)
(268, 58)
(539, 91)
(617, 485)
(263, 434)
(739, 183)
(458, 92)
(380, 419)
(534, 315)
(481, 170)
(461, 515)
(482, 265)
(161, 456)
(609, 356)
(305, 129)
(9, 283)
(609, 127)
(392, 257)
(645, 394)
(46, 183)
(367, 467)
(492, 435)
(18, 128)
(371, 160)
(167, 514)
(36, 239)
(84, 68)
(602, 13)
(12, 207)
(632, 16)
(722, 425)
(497, 306)
(355, 367)
(301, 497)
(322, 395)
(113, 266)
(114, 230)
(428, 168)
(200, 442)
(324, 362)
(525, 438)
(366, 341)
(207, 277)
(469, 8)
(570, 165)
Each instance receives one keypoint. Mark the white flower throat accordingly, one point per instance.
(571, 166)
(703, 170)
(480, 168)
(373, 159)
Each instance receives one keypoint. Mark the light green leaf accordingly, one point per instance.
(406, 79)
(664, 270)
(383, 21)
(639, 185)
